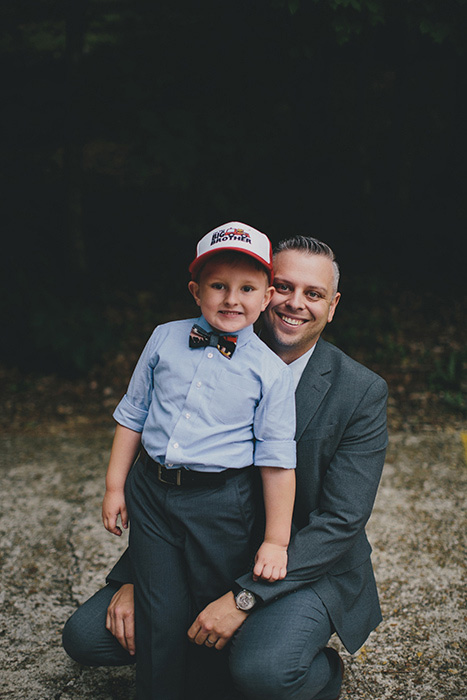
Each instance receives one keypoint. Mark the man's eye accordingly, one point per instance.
(281, 287)
(313, 295)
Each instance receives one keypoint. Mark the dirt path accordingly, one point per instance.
(55, 553)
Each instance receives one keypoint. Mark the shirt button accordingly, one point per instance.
(210, 355)
(187, 415)
(175, 445)
(198, 384)
(170, 465)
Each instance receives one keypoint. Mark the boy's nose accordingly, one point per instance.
(231, 297)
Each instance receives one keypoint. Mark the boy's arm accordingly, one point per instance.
(222, 617)
(125, 446)
(279, 497)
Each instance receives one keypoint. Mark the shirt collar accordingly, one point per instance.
(298, 365)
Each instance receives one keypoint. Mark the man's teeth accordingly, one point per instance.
(292, 321)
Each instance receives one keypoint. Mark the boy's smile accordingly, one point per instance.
(231, 295)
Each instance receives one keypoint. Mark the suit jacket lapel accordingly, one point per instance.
(312, 387)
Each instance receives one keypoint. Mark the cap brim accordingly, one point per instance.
(197, 263)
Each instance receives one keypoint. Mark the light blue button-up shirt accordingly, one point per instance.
(197, 409)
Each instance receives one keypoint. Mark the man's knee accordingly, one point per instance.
(259, 675)
(85, 637)
(76, 642)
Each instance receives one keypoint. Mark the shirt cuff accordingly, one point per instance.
(275, 453)
(130, 416)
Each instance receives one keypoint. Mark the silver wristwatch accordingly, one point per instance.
(245, 600)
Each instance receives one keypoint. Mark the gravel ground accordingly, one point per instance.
(55, 553)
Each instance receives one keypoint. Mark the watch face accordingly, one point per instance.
(245, 600)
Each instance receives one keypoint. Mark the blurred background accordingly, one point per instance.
(131, 127)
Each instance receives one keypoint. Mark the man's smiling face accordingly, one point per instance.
(303, 302)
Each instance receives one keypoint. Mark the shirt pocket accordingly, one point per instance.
(234, 399)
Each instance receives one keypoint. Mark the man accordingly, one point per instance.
(282, 629)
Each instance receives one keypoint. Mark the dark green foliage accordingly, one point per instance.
(367, 321)
(129, 136)
(69, 337)
(449, 378)
(58, 334)
(350, 19)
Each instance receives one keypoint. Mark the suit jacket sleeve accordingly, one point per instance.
(334, 531)
(121, 572)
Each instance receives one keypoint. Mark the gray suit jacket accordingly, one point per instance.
(341, 443)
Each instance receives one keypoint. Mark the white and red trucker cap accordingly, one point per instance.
(234, 236)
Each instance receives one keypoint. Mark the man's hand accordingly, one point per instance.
(217, 623)
(121, 617)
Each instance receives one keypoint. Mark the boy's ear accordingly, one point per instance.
(194, 290)
(267, 297)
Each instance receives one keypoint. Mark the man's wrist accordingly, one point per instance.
(245, 600)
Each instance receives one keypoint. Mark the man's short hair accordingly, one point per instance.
(311, 246)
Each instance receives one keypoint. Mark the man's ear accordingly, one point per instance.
(194, 290)
(267, 297)
(332, 308)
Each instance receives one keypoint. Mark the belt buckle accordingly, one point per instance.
(170, 483)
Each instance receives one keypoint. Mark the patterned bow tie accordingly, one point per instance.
(199, 338)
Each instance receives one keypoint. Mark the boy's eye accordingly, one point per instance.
(247, 288)
(217, 285)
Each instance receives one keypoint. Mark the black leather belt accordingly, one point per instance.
(185, 477)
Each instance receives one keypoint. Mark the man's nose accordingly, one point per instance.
(295, 300)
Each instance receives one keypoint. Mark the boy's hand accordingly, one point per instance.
(114, 505)
(270, 562)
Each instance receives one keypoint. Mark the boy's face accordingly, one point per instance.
(231, 295)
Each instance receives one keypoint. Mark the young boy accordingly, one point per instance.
(206, 401)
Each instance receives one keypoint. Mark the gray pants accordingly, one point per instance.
(187, 546)
(190, 551)
(279, 653)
